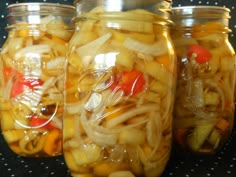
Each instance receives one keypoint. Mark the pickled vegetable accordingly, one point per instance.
(32, 67)
(205, 88)
(119, 97)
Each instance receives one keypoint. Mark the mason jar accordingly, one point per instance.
(119, 89)
(204, 104)
(32, 72)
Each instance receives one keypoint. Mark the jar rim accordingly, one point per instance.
(200, 11)
(161, 8)
(124, 4)
(19, 9)
(188, 16)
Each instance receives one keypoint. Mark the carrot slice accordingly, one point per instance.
(167, 62)
(59, 40)
(53, 142)
(222, 125)
(202, 30)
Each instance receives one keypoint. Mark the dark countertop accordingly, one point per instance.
(221, 164)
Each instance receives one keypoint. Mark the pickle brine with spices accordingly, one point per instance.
(32, 72)
(119, 89)
(204, 106)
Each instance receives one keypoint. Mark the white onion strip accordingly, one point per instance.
(131, 113)
(155, 49)
(97, 137)
(34, 49)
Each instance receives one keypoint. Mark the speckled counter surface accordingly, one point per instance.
(222, 164)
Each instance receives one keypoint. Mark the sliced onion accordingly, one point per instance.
(97, 137)
(155, 49)
(131, 113)
(34, 50)
(85, 51)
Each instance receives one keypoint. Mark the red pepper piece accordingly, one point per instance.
(24, 83)
(201, 54)
(20, 82)
(131, 82)
(10, 73)
(37, 122)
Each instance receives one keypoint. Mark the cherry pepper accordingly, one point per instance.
(41, 123)
(130, 83)
(20, 81)
(199, 53)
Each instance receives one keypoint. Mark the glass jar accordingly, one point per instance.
(32, 68)
(120, 82)
(204, 104)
